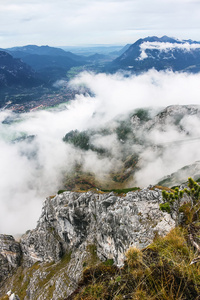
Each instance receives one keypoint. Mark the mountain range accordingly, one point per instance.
(33, 65)
(50, 63)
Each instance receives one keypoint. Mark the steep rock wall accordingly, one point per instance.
(113, 223)
(71, 222)
(10, 255)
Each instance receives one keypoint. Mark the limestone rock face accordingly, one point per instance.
(77, 229)
(113, 223)
(10, 255)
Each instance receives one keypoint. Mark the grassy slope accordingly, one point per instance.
(160, 271)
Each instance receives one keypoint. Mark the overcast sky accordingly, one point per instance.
(81, 22)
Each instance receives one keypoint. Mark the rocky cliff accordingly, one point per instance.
(10, 255)
(76, 230)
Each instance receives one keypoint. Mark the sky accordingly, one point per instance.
(83, 22)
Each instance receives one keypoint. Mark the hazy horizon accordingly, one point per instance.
(90, 45)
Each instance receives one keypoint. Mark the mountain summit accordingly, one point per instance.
(161, 54)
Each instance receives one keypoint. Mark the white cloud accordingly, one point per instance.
(161, 46)
(120, 94)
(143, 55)
(33, 170)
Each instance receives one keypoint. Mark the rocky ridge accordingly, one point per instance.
(14, 72)
(10, 255)
(74, 230)
(143, 130)
(173, 115)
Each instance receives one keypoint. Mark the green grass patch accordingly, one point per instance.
(109, 262)
(61, 191)
(121, 191)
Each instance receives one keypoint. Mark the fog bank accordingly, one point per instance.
(34, 159)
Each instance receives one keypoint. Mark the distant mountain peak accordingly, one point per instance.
(39, 50)
(161, 54)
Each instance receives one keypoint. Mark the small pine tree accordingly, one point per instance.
(172, 203)
(193, 191)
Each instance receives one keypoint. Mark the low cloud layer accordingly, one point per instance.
(169, 46)
(165, 47)
(117, 94)
(33, 168)
(173, 150)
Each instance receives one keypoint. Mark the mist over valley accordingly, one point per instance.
(126, 131)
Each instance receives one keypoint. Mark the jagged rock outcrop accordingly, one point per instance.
(71, 223)
(10, 255)
(113, 223)
(12, 296)
(172, 115)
